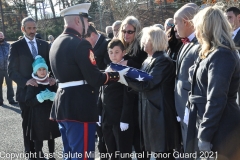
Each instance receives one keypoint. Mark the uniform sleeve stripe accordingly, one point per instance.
(107, 78)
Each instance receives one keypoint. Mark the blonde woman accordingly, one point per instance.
(160, 129)
(129, 32)
(214, 120)
(129, 35)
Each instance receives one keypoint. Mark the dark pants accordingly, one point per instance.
(165, 155)
(38, 147)
(78, 140)
(28, 144)
(118, 142)
(10, 93)
(137, 143)
(101, 142)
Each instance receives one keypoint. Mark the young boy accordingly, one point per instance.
(116, 105)
(39, 99)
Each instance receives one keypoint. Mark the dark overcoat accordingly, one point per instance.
(237, 44)
(101, 52)
(41, 128)
(214, 114)
(159, 126)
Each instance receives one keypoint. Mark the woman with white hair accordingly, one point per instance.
(115, 26)
(214, 118)
(159, 126)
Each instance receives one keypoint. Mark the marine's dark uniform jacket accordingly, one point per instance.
(72, 59)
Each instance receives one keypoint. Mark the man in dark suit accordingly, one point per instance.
(99, 44)
(185, 60)
(21, 57)
(233, 16)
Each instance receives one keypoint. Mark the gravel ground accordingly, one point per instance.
(11, 141)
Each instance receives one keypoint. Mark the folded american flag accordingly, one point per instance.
(132, 72)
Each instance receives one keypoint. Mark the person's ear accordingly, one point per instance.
(23, 29)
(238, 18)
(124, 52)
(77, 20)
(185, 22)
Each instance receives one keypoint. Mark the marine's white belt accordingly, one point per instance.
(72, 83)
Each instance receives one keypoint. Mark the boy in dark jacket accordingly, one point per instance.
(39, 99)
(116, 115)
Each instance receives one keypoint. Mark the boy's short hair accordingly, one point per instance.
(116, 42)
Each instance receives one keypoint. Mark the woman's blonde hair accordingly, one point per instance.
(213, 30)
(157, 37)
(133, 46)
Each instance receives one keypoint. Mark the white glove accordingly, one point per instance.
(124, 126)
(204, 146)
(121, 76)
(99, 121)
(108, 69)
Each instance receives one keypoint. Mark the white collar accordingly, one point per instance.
(97, 40)
(235, 32)
(191, 36)
(28, 40)
(109, 69)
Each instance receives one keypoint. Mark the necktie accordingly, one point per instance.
(185, 40)
(34, 51)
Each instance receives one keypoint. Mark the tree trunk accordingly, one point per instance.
(63, 4)
(35, 8)
(52, 8)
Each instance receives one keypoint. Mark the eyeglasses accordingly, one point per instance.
(128, 32)
(170, 24)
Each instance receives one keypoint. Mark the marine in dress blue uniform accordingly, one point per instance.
(73, 65)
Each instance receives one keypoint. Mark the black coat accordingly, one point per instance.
(136, 60)
(214, 115)
(157, 112)
(237, 44)
(237, 40)
(117, 104)
(20, 64)
(101, 52)
(41, 128)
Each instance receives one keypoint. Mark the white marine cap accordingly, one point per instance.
(79, 9)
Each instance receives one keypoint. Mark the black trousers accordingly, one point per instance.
(10, 93)
(119, 143)
(38, 147)
(28, 144)
(101, 142)
(137, 143)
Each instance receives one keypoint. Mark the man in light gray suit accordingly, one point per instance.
(186, 57)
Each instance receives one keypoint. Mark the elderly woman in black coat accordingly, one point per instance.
(214, 119)
(157, 114)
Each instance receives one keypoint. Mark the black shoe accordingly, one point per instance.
(13, 102)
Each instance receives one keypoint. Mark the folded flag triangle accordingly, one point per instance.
(132, 72)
